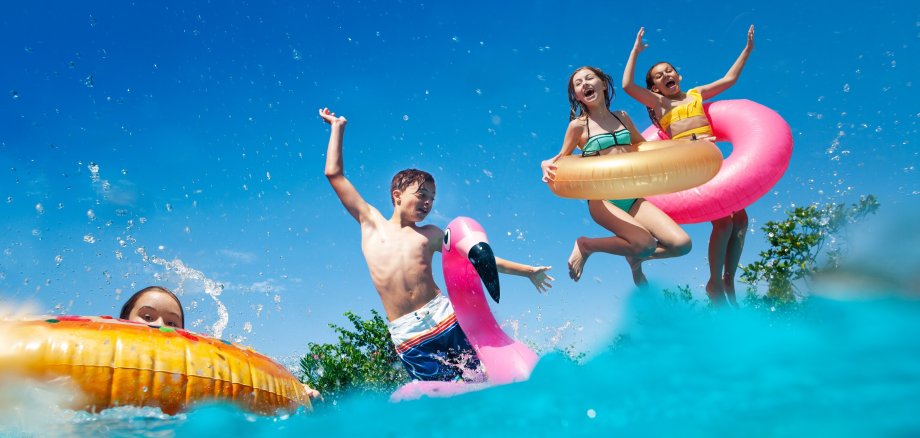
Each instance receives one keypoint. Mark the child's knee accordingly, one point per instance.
(723, 224)
(740, 220)
(682, 246)
(643, 247)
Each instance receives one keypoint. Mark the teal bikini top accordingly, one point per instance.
(599, 142)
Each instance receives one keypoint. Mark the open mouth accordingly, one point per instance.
(670, 83)
(589, 93)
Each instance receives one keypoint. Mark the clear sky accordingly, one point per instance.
(177, 143)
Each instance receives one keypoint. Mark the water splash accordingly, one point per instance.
(211, 287)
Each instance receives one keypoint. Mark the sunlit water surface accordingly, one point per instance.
(832, 368)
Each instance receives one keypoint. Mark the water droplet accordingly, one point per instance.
(405, 117)
(89, 238)
(94, 171)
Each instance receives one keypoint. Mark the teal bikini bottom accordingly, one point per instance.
(623, 204)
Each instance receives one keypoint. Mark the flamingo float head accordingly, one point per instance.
(465, 238)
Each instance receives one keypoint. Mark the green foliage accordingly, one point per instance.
(364, 359)
(683, 294)
(795, 246)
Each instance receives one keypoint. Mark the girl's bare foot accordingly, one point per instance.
(715, 291)
(577, 259)
(635, 266)
(728, 285)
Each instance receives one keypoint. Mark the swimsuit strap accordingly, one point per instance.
(588, 125)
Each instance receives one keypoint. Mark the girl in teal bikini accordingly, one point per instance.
(640, 230)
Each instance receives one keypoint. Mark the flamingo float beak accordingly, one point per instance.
(483, 261)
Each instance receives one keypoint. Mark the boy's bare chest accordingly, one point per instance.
(395, 244)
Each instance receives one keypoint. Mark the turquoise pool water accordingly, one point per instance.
(834, 368)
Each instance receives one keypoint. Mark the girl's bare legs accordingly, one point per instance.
(672, 240)
(718, 243)
(630, 238)
(643, 233)
(733, 253)
(725, 245)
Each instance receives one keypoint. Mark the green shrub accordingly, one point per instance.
(364, 359)
(796, 244)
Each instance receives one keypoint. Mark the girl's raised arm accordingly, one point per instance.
(711, 90)
(644, 96)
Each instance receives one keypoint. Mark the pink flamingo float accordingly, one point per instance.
(467, 258)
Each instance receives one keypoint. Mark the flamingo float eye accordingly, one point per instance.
(447, 239)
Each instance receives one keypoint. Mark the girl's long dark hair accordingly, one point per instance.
(576, 108)
(649, 84)
(129, 305)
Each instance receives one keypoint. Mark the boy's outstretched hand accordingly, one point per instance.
(330, 118)
(541, 279)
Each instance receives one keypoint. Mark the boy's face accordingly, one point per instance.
(415, 202)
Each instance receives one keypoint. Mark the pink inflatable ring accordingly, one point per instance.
(761, 148)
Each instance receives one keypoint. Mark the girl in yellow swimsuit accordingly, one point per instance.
(640, 230)
(680, 115)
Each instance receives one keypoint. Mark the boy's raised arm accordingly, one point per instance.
(335, 171)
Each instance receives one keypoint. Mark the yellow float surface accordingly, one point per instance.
(115, 362)
(646, 169)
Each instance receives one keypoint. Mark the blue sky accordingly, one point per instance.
(177, 143)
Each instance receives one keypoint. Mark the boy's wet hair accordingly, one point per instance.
(405, 178)
(575, 104)
(129, 305)
(649, 84)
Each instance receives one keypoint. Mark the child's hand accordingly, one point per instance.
(540, 278)
(549, 170)
(639, 46)
(330, 118)
(312, 393)
(750, 39)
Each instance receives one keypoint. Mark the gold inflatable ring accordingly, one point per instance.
(646, 169)
(114, 362)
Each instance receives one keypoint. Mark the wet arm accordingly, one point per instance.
(644, 96)
(335, 169)
(711, 90)
(571, 141)
(536, 274)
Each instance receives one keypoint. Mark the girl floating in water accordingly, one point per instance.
(640, 230)
(680, 114)
(154, 305)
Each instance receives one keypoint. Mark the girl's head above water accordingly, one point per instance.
(663, 79)
(154, 305)
(586, 85)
